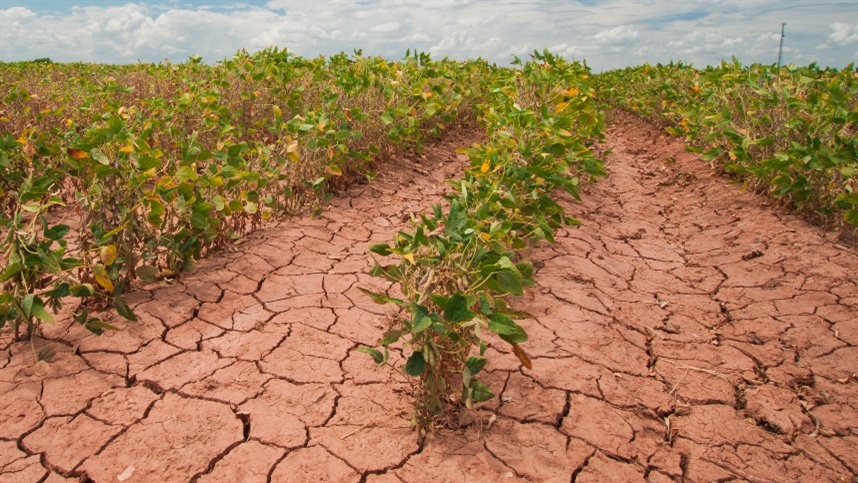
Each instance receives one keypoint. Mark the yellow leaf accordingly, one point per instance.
(485, 167)
(77, 154)
(409, 257)
(107, 254)
(278, 111)
(571, 92)
(21, 140)
(335, 170)
(485, 236)
(102, 278)
(128, 149)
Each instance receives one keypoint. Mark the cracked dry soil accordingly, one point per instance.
(685, 332)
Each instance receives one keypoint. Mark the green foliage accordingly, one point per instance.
(791, 132)
(161, 164)
(153, 166)
(38, 274)
(458, 267)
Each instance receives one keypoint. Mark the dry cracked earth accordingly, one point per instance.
(685, 332)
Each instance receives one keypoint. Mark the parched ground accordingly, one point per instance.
(685, 332)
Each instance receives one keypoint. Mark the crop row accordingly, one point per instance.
(792, 132)
(140, 172)
(110, 174)
(458, 266)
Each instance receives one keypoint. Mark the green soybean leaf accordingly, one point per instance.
(27, 304)
(376, 355)
(457, 309)
(480, 392)
(124, 310)
(56, 232)
(99, 156)
(60, 291)
(156, 211)
(97, 326)
(475, 364)
(390, 337)
(82, 290)
(381, 298)
(421, 323)
(199, 221)
(38, 311)
(12, 270)
(439, 300)
(415, 365)
(509, 282)
(382, 249)
(525, 268)
(507, 329)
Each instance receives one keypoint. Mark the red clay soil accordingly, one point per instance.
(685, 332)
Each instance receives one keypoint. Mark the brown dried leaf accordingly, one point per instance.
(522, 356)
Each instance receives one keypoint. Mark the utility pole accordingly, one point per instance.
(781, 48)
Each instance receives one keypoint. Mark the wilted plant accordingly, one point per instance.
(459, 267)
(791, 132)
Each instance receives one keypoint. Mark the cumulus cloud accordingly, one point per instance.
(608, 34)
(15, 14)
(617, 35)
(697, 42)
(385, 27)
(844, 34)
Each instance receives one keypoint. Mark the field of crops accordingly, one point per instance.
(116, 175)
(403, 211)
(159, 164)
(791, 132)
(113, 174)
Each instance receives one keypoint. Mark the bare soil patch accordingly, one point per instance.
(685, 332)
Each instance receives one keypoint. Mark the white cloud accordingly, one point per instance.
(608, 34)
(844, 34)
(617, 35)
(16, 13)
(385, 27)
(419, 37)
(769, 37)
(704, 42)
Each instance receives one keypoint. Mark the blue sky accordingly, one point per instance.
(608, 34)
